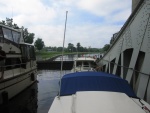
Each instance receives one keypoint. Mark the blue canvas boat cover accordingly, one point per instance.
(94, 81)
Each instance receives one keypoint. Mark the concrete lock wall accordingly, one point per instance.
(134, 4)
(128, 56)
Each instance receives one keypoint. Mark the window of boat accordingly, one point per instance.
(16, 36)
(7, 34)
(79, 63)
(28, 52)
(32, 52)
(86, 64)
(1, 35)
(12, 63)
(24, 51)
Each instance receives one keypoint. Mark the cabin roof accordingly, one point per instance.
(94, 81)
(84, 59)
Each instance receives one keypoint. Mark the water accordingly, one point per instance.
(66, 58)
(48, 88)
(37, 98)
(72, 57)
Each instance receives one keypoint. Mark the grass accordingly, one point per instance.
(47, 54)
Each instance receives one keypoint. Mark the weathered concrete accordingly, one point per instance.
(134, 4)
(131, 50)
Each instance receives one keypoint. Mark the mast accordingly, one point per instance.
(62, 55)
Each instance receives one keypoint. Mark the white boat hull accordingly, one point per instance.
(96, 102)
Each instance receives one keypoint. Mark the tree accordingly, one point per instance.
(59, 49)
(78, 46)
(101, 50)
(29, 38)
(39, 44)
(106, 47)
(70, 47)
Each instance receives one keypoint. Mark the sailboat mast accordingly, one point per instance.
(62, 53)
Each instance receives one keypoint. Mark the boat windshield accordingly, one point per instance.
(79, 64)
(16, 36)
(85, 64)
(7, 34)
(11, 35)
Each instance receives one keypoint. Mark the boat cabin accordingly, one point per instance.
(83, 64)
(18, 69)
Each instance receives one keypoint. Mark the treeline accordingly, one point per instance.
(39, 44)
(72, 48)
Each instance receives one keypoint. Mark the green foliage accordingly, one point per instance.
(59, 49)
(29, 38)
(39, 44)
(101, 50)
(106, 47)
(78, 46)
(70, 47)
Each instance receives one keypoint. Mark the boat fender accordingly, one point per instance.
(5, 97)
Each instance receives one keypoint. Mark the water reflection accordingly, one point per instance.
(48, 88)
(73, 57)
(66, 58)
(37, 98)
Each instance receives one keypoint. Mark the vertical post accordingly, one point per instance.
(133, 84)
(109, 64)
(62, 55)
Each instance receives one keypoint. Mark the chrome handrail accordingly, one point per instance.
(13, 65)
(126, 67)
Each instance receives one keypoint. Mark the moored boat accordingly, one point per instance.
(96, 92)
(83, 64)
(19, 63)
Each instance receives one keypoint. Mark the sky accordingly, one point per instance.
(92, 23)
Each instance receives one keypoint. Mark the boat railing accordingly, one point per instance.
(127, 68)
(13, 70)
(135, 73)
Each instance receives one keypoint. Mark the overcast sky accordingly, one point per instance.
(90, 22)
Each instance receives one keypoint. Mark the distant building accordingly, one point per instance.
(50, 50)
